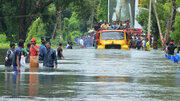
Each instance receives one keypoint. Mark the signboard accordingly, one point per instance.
(121, 10)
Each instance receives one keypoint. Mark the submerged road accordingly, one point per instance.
(96, 75)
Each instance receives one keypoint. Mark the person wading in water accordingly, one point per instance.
(34, 58)
(50, 57)
(9, 55)
(171, 47)
(17, 56)
(59, 52)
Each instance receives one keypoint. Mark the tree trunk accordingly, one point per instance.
(58, 20)
(39, 7)
(171, 22)
(92, 19)
(173, 14)
(55, 26)
(60, 30)
(22, 33)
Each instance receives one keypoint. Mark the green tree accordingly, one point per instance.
(36, 30)
(102, 10)
(175, 35)
(163, 10)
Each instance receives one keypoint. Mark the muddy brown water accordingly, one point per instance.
(95, 75)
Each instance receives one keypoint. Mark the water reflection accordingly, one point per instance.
(114, 79)
(16, 85)
(33, 82)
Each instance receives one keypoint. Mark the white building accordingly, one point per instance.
(123, 10)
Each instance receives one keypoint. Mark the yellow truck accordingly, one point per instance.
(112, 39)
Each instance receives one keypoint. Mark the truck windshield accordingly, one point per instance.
(112, 36)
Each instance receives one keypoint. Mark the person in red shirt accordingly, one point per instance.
(34, 50)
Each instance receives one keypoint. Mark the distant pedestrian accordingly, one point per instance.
(69, 45)
(60, 52)
(81, 42)
(50, 57)
(9, 55)
(17, 56)
(34, 58)
(147, 45)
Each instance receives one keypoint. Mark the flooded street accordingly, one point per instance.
(96, 75)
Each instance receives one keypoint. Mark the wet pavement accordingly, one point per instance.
(96, 75)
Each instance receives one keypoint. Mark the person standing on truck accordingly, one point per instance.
(114, 26)
(127, 24)
(121, 25)
(105, 25)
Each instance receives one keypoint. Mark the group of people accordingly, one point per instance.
(116, 25)
(34, 54)
(140, 42)
(85, 41)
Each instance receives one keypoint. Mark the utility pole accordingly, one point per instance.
(159, 27)
(149, 22)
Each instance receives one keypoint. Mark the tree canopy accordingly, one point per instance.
(18, 17)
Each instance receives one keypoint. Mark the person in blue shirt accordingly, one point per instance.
(9, 55)
(17, 56)
(114, 26)
(49, 57)
(42, 50)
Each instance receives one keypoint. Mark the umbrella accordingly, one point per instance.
(178, 9)
(91, 31)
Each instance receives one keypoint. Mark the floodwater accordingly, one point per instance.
(96, 75)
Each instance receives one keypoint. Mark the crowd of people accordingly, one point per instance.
(19, 56)
(116, 25)
(85, 41)
(140, 42)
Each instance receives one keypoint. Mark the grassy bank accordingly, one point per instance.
(4, 45)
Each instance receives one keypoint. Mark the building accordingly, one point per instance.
(124, 10)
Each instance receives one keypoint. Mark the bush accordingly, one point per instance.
(3, 38)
